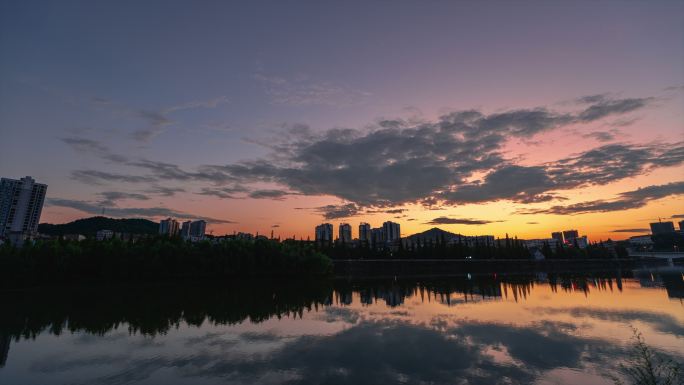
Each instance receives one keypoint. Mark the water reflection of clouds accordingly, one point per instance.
(88, 339)
(339, 314)
(59, 363)
(370, 352)
(541, 346)
(661, 322)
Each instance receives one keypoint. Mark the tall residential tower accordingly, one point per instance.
(364, 232)
(345, 234)
(21, 202)
(391, 231)
(324, 232)
(169, 226)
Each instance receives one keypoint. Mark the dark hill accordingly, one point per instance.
(89, 226)
(433, 234)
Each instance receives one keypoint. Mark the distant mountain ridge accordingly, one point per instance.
(433, 234)
(89, 226)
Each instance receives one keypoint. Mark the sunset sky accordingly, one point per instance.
(475, 117)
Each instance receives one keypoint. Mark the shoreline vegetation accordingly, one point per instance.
(171, 258)
(155, 258)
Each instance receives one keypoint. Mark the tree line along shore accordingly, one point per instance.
(160, 257)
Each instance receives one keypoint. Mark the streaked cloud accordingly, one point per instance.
(99, 177)
(231, 192)
(129, 212)
(459, 221)
(301, 90)
(642, 230)
(661, 322)
(109, 198)
(156, 120)
(603, 106)
(624, 201)
(601, 136)
(209, 103)
(338, 211)
(269, 194)
(92, 147)
(164, 191)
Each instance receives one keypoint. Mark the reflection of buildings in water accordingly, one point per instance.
(456, 291)
(4, 348)
(542, 277)
(443, 291)
(392, 296)
(486, 291)
(650, 280)
(343, 298)
(473, 293)
(366, 296)
(672, 282)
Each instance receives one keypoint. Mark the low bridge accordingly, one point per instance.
(670, 256)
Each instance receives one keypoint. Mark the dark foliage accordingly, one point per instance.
(155, 258)
(89, 226)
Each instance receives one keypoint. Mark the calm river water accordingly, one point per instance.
(478, 329)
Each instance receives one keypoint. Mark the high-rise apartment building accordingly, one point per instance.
(364, 232)
(662, 228)
(324, 232)
(169, 226)
(185, 230)
(377, 238)
(391, 231)
(570, 235)
(198, 228)
(345, 233)
(193, 230)
(558, 236)
(21, 203)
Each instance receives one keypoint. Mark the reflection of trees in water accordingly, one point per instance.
(153, 309)
(4, 348)
(575, 283)
(394, 292)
